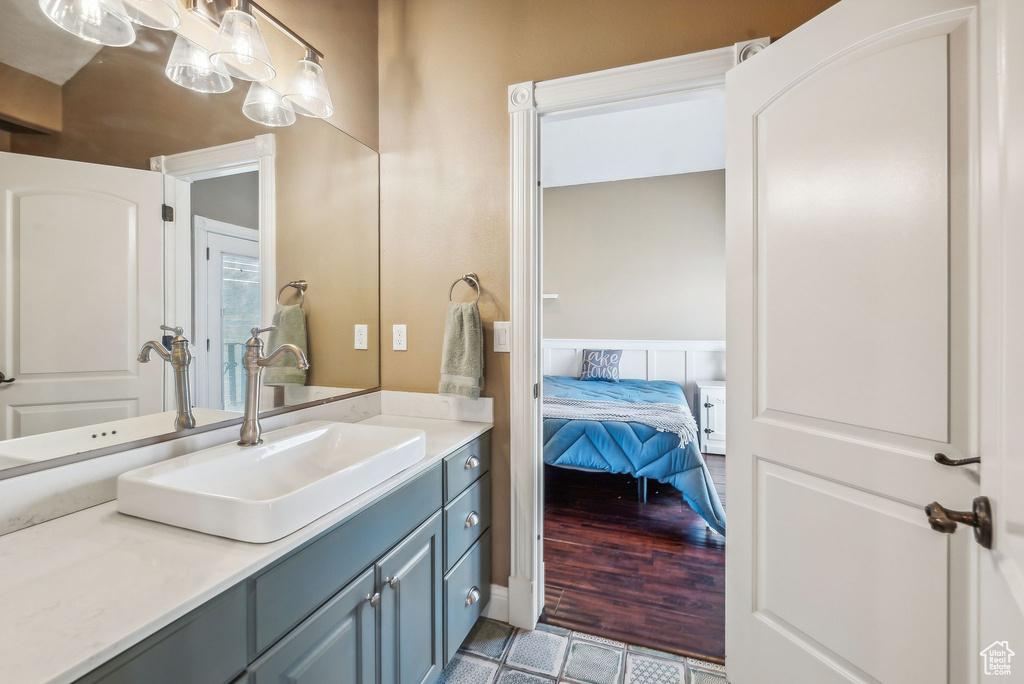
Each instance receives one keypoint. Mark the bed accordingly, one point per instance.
(627, 447)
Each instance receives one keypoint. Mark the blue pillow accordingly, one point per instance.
(601, 364)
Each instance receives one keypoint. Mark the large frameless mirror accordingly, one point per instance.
(157, 207)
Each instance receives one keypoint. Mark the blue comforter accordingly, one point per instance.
(631, 448)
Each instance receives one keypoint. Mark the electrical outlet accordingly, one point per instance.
(361, 336)
(502, 336)
(399, 339)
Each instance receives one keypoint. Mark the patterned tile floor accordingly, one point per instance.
(497, 653)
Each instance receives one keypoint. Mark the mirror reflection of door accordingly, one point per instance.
(81, 291)
(227, 306)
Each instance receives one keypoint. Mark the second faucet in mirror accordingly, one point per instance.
(179, 357)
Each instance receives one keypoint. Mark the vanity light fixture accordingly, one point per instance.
(103, 22)
(239, 49)
(161, 15)
(264, 105)
(307, 89)
(189, 66)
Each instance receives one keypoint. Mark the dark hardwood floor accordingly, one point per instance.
(649, 574)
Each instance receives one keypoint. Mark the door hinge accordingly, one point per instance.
(534, 390)
(207, 253)
(207, 344)
(167, 212)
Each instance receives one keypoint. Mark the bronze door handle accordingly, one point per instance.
(979, 517)
(945, 460)
(5, 379)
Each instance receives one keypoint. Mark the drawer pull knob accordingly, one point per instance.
(391, 581)
(473, 520)
(374, 600)
(472, 462)
(473, 596)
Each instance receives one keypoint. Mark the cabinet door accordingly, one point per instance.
(713, 410)
(335, 644)
(411, 609)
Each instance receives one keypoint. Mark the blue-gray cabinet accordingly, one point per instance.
(336, 644)
(387, 597)
(411, 610)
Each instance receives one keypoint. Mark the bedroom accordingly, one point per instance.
(633, 359)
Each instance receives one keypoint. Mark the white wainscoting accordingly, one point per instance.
(685, 362)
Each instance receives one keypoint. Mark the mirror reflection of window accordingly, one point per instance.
(240, 307)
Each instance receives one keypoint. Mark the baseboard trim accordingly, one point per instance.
(497, 607)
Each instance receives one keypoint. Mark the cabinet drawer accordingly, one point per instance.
(472, 572)
(295, 587)
(336, 644)
(459, 533)
(465, 466)
(206, 646)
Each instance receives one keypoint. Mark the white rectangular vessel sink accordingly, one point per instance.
(265, 492)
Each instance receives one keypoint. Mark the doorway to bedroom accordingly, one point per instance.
(632, 215)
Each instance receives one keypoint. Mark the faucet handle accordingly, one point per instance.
(256, 331)
(177, 330)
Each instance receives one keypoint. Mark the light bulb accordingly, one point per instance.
(307, 89)
(265, 106)
(239, 49)
(189, 66)
(98, 21)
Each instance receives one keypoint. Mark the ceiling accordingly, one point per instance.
(640, 140)
(30, 42)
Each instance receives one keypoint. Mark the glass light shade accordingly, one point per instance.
(265, 106)
(97, 21)
(189, 66)
(307, 91)
(240, 50)
(156, 14)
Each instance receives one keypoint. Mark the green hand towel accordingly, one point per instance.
(462, 360)
(291, 328)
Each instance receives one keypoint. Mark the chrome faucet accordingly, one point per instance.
(179, 357)
(254, 362)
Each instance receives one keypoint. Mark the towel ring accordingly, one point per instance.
(470, 278)
(299, 285)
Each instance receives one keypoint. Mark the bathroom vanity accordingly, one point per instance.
(385, 588)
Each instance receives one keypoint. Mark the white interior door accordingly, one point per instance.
(852, 345)
(1001, 570)
(81, 290)
(227, 308)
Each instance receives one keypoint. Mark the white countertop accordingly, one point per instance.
(78, 590)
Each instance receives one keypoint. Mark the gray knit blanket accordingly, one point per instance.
(675, 418)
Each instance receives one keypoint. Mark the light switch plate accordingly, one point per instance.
(362, 333)
(399, 339)
(502, 336)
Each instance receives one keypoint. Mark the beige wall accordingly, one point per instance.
(232, 199)
(444, 70)
(640, 259)
(29, 101)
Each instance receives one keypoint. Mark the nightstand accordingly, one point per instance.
(710, 404)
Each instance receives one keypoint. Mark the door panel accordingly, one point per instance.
(866, 544)
(410, 624)
(73, 350)
(336, 644)
(852, 305)
(845, 255)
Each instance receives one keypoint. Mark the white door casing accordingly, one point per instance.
(213, 239)
(82, 289)
(1001, 570)
(852, 346)
(626, 86)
